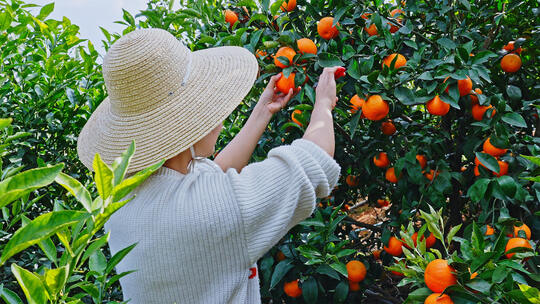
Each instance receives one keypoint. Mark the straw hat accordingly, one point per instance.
(163, 96)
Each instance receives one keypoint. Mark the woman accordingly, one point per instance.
(201, 225)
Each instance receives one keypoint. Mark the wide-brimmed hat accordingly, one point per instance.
(163, 96)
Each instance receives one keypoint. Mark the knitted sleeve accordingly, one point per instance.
(276, 194)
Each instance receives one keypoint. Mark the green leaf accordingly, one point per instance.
(340, 267)
(513, 92)
(354, 69)
(76, 189)
(327, 270)
(9, 296)
(103, 177)
(489, 161)
(404, 95)
(327, 60)
(97, 262)
(342, 290)
(5, 20)
(275, 7)
(310, 290)
(280, 271)
(534, 159)
(45, 11)
(55, 279)
(508, 185)
(419, 294)
(5, 122)
(127, 185)
(120, 164)
(446, 43)
(532, 294)
(128, 17)
(39, 229)
(479, 285)
(94, 246)
(31, 285)
(118, 257)
(452, 233)
(23, 183)
(514, 119)
(102, 218)
(478, 189)
(49, 248)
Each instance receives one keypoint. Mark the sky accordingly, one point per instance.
(89, 15)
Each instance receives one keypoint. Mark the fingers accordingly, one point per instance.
(330, 71)
(286, 98)
(273, 80)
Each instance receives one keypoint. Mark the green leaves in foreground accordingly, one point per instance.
(23, 183)
(39, 229)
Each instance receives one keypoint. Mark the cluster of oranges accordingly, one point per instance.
(511, 63)
(438, 276)
(516, 240)
(356, 273)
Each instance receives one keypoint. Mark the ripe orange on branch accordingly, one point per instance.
(325, 28)
(514, 243)
(437, 107)
(285, 52)
(288, 6)
(292, 289)
(306, 46)
(478, 111)
(231, 17)
(464, 86)
(489, 230)
(393, 14)
(383, 203)
(391, 175)
(356, 104)
(437, 298)
(284, 84)
(511, 63)
(509, 47)
(294, 119)
(381, 160)
(394, 246)
(388, 128)
(375, 108)
(439, 275)
(400, 61)
(492, 150)
(352, 180)
(523, 228)
(422, 159)
(372, 29)
(474, 98)
(356, 271)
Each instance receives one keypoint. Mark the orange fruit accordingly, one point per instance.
(430, 241)
(391, 175)
(478, 111)
(474, 98)
(306, 45)
(375, 108)
(437, 298)
(372, 29)
(356, 271)
(516, 242)
(280, 256)
(383, 203)
(509, 47)
(524, 228)
(503, 168)
(473, 275)
(285, 52)
(393, 13)
(231, 17)
(489, 230)
(437, 107)
(292, 289)
(464, 86)
(284, 84)
(260, 53)
(422, 160)
(400, 61)
(388, 128)
(381, 160)
(394, 246)
(288, 6)
(356, 104)
(439, 275)
(511, 63)
(413, 237)
(492, 150)
(325, 28)
(354, 286)
(352, 180)
(376, 254)
(397, 273)
(293, 117)
(429, 175)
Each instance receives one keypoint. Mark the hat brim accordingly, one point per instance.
(220, 78)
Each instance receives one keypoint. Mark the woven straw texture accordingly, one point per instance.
(148, 102)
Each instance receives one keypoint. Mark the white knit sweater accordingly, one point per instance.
(200, 235)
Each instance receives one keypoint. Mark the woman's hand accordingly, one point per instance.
(272, 99)
(326, 88)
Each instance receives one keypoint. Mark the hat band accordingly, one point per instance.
(188, 69)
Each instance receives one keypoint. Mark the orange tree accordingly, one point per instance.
(446, 89)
